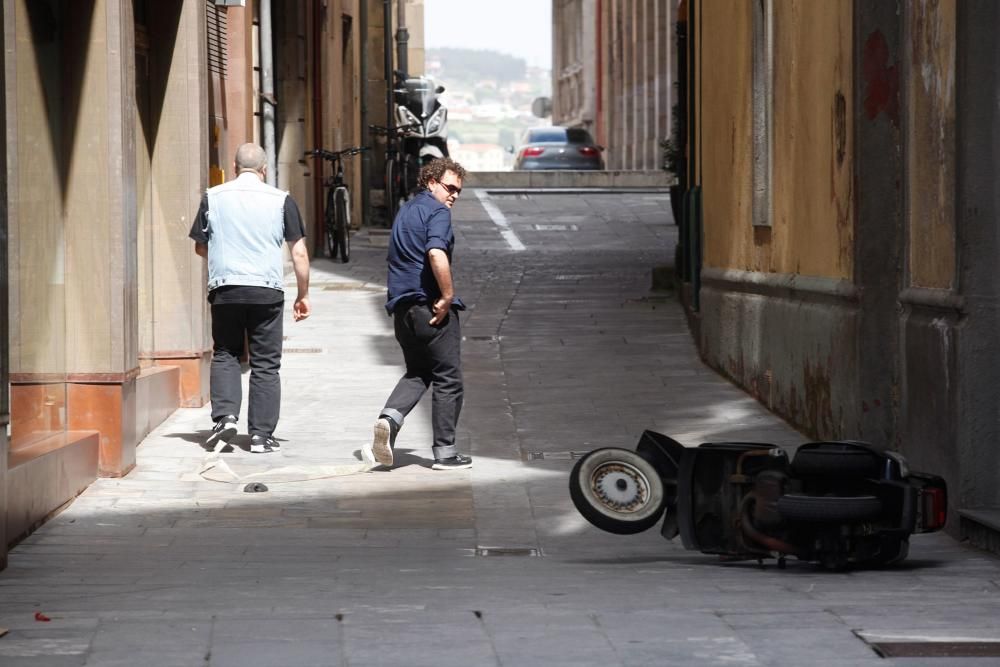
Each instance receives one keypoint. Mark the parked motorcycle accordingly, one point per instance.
(842, 504)
(419, 108)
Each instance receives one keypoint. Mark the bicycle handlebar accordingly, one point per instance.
(333, 155)
(386, 131)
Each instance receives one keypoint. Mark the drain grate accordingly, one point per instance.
(937, 649)
(507, 551)
(488, 339)
(555, 228)
(556, 456)
(302, 350)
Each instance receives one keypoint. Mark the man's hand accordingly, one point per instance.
(441, 309)
(301, 310)
(441, 268)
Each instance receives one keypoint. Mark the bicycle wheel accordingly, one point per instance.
(392, 189)
(329, 224)
(342, 228)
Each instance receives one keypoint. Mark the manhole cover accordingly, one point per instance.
(555, 456)
(556, 228)
(506, 551)
(937, 649)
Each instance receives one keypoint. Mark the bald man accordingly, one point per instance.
(240, 227)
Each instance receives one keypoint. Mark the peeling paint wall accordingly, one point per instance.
(930, 142)
(813, 217)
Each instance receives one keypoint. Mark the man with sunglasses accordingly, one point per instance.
(422, 302)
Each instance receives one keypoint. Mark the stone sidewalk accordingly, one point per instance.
(566, 349)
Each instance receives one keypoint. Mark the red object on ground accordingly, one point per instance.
(39, 616)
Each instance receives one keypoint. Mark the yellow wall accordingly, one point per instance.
(930, 144)
(813, 217)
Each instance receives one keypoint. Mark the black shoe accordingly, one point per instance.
(456, 462)
(223, 431)
(263, 444)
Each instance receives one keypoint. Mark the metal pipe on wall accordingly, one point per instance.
(402, 38)
(387, 54)
(366, 158)
(268, 101)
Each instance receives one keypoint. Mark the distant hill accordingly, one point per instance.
(477, 65)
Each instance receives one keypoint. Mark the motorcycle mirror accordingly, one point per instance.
(439, 90)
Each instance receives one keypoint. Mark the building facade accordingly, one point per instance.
(613, 69)
(119, 114)
(840, 224)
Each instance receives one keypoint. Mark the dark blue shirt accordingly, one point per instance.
(422, 224)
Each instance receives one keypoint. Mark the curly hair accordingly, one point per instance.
(435, 169)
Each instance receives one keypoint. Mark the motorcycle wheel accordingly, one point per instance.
(829, 509)
(617, 491)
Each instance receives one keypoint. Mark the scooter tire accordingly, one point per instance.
(829, 509)
(836, 462)
(617, 490)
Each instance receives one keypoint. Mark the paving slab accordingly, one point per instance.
(567, 348)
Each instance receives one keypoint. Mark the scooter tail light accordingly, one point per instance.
(532, 151)
(935, 508)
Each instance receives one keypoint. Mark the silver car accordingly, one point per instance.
(558, 148)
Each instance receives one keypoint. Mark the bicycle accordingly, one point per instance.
(400, 173)
(337, 212)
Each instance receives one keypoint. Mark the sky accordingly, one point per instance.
(521, 28)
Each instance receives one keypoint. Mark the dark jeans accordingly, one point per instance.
(433, 357)
(261, 324)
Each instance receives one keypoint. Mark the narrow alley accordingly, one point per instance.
(567, 348)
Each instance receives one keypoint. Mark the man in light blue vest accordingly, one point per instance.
(241, 227)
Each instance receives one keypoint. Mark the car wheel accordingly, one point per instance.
(617, 491)
(829, 509)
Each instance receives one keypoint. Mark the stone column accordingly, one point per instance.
(174, 310)
(99, 223)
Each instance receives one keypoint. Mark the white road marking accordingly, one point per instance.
(500, 221)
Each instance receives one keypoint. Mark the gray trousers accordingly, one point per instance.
(433, 359)
(261, 324)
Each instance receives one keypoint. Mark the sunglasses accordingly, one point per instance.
(452, 189)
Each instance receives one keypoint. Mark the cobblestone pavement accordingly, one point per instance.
(566, 349)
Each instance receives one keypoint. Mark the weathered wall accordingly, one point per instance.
(812, 229)
(632, 78)
(978, 221)
(4, 362)
(779, 312)
(175, 143)
(931, 307)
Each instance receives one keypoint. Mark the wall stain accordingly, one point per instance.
(840, 126)
(881, 79)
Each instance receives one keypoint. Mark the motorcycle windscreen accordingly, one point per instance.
(420, 97)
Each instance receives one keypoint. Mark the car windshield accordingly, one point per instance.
(547, 135)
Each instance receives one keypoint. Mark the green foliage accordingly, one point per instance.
(473, 64)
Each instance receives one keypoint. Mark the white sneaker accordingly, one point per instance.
(381, 448)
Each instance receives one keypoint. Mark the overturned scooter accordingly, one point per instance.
(842, 504)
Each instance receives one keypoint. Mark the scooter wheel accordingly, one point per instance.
(829, 509)
(617, 490)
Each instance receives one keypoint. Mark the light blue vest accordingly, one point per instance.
(246, 227)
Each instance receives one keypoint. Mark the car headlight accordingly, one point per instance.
(437, 120)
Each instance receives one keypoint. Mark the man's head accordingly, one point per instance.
(250, 157)
(443, 179)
